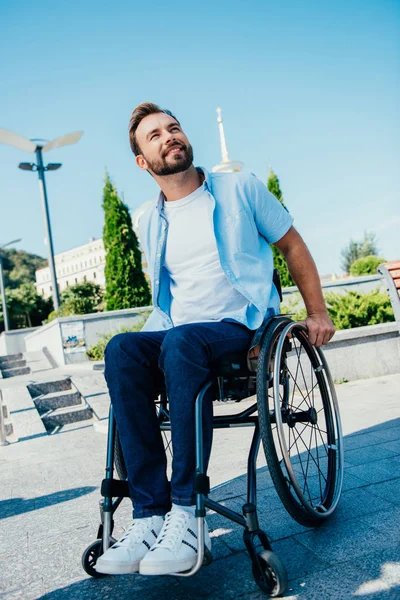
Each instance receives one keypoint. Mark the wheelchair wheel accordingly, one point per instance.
(89, 559)
(270, 574)
(119, 458)
(299, 423)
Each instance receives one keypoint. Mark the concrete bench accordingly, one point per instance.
(391, 275)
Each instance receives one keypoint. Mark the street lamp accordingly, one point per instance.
(39, 146)
(3, 289)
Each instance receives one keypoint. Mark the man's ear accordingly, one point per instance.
(141, 162)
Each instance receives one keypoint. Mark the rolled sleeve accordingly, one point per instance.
(273, 221)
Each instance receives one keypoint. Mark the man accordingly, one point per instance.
(207, 242)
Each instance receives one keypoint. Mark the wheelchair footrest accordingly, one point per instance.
(114, 488)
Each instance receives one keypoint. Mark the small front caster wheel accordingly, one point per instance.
(90, 556)
(270, 574)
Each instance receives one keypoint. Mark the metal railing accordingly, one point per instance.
(3, 413)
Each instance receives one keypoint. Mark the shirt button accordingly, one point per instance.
(157, 282)
(159, 255)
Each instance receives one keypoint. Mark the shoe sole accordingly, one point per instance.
(166, 568)
(117, 568)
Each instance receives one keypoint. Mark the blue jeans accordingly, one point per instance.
(184, 355)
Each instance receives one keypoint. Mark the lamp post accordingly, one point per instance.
(40, 146)
(3, 289)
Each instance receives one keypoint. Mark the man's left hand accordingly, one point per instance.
(320, 328)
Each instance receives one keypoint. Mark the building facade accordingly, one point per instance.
(80, 264)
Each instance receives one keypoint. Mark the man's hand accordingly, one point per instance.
(320, 328)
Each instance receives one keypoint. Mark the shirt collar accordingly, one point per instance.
(206, 186)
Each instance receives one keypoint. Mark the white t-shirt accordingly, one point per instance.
(200, 290)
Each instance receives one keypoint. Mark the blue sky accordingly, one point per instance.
(312, 88)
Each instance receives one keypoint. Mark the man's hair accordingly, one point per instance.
(140, 112)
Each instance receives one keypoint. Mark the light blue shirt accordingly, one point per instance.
(247, 218)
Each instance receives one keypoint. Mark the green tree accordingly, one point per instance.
(368, 246)
(20, 266)
(25, 307)
(279, 260)
(126, 285)
(80, 299)
(366, 265)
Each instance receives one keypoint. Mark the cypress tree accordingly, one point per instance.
(126, 285)
(279, 260)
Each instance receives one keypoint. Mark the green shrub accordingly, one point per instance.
(367, 265)
(96, 352)
(354, 309)
(292, 309)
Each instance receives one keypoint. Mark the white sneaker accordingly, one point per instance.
(125, 555)
(176, 547)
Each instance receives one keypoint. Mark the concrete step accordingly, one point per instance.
(62, 416)
(8, 357)
(48, 387)
(15, 372)
(13, 364)
(56, 400)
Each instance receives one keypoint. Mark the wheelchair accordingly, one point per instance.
(295, 418)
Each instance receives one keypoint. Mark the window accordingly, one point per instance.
(51, 288)
(76, 281)
(84, 278)
(94, 275)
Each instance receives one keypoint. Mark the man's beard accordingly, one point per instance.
(161, 167)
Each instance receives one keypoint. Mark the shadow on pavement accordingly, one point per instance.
(17, 506)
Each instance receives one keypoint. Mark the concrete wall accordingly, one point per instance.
(13, 342)
(47, 338)
(364, 352)
(94, 326)
(362, 284)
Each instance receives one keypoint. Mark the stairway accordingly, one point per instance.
(12, 365)
(59, 403)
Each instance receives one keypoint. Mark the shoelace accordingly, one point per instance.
(135, 533)
(171, 532)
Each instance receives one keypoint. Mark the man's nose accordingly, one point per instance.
(169, 138)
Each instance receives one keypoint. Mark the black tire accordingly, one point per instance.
(119, 458)
(89, 559)
(277, 386)
(270, 575)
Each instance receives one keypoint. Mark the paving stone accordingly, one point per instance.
(298, 560)
(386, 522)
(368, 455)
(383, 567)
(363, 440)
(392, 446)
(381, 470)
(357, 502)
(56, 479)
(223, 580)
(389, 434)
(339, 583)
(389, 490)
(341, 540)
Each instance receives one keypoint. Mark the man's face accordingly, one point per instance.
(165, 149)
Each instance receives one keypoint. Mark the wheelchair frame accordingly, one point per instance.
(118, 489)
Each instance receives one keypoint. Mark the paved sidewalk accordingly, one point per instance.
(49, 513)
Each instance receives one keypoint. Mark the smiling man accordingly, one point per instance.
(207, 243)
